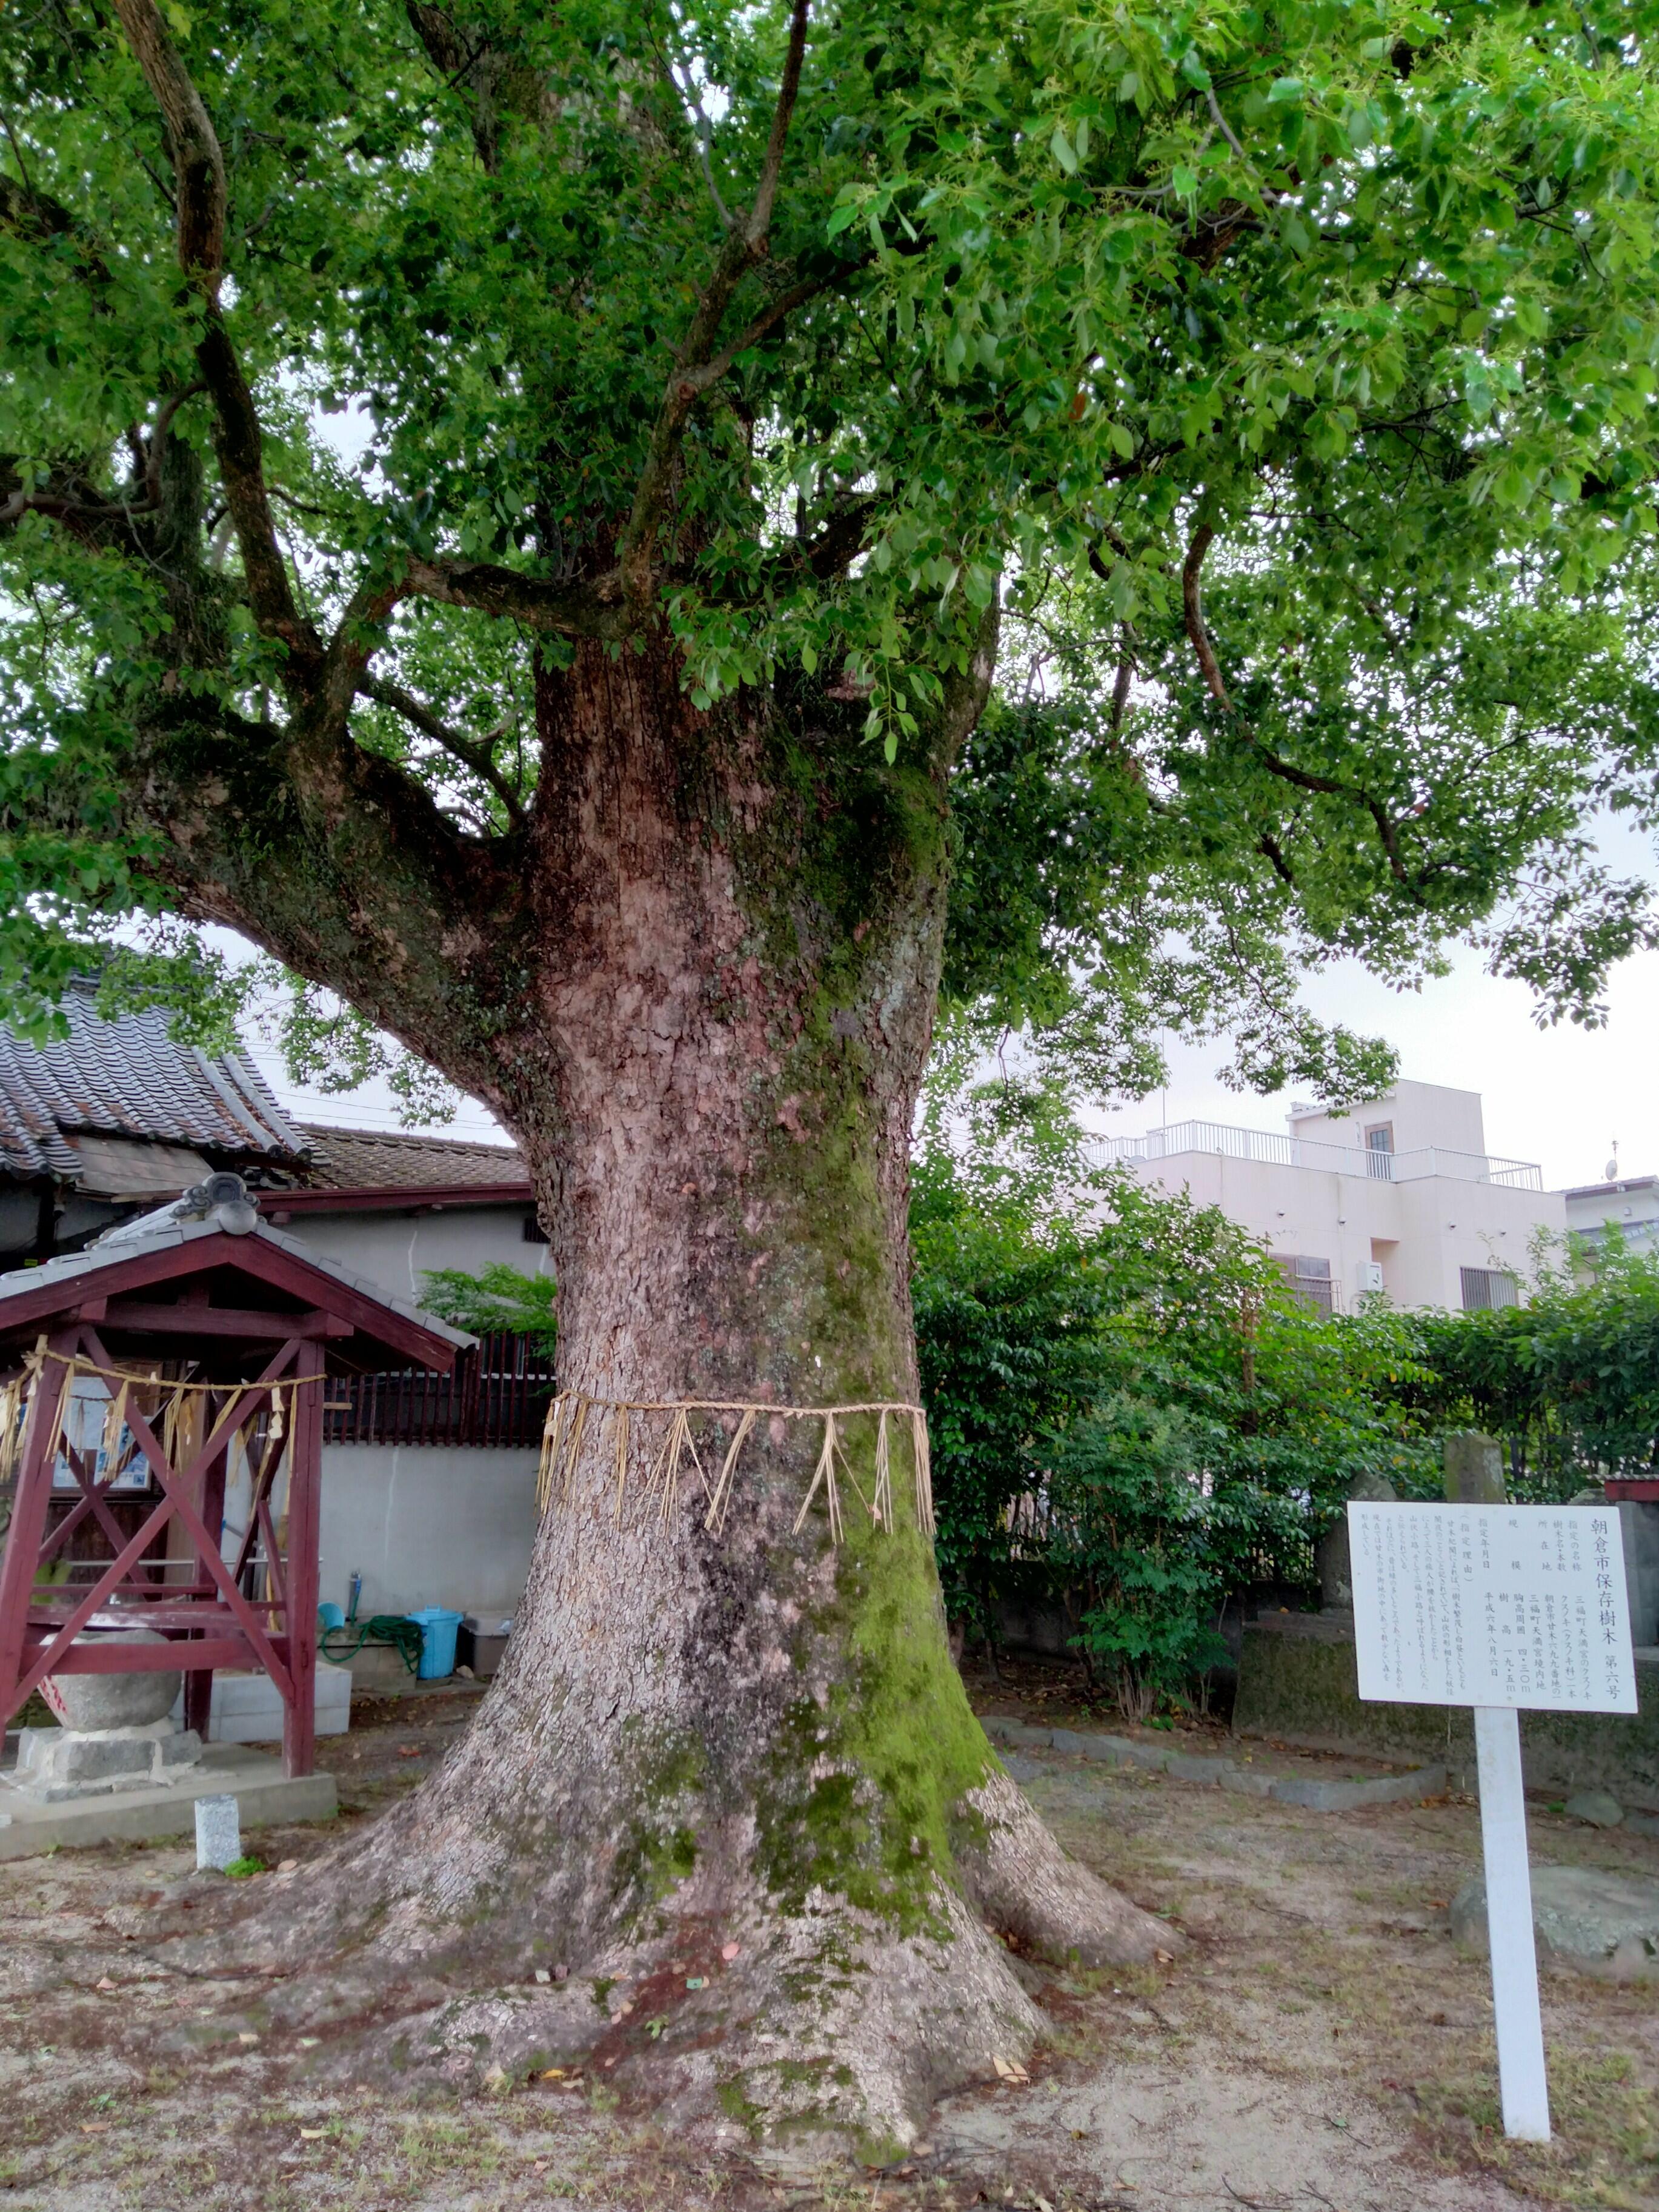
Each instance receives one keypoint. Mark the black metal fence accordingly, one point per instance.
(496, 1394)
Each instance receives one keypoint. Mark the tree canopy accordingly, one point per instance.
(1288, 373)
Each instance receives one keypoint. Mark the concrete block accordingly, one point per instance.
(1246, 1782)
(1297, 1684)
(1321, 1796)
(218, 1834)
(27, 1827)
(1087, 1744)
(182, 1749)
(95, 1759)
(1002, 1731)
(1186, 1766)
(248, 1708)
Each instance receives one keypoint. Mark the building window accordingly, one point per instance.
(1379, 1152)
(533, 1231)
(1310, 1282)
(1485, 1288)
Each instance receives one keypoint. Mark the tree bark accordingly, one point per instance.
(727, 1789)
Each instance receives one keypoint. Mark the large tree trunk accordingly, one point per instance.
(739, 1759)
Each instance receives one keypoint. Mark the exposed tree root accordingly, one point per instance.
(817, 2015)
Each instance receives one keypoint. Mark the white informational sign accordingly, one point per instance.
(1523, 1606)
(1499, 1607)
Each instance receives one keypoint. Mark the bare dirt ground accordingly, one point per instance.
(1318, 2046)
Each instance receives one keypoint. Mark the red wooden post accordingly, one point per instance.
(28, 1518)
(305, 1478)
(198, 1682)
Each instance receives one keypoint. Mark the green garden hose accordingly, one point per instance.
(342, 1645)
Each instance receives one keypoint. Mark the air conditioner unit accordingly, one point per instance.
(1370, 1275)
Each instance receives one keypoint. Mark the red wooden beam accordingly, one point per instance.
(244, 1322)
(109, 1657)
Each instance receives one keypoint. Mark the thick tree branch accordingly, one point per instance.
(198, 167)
(200, 192)
(474, 755)
(694, 368)
(585, 610)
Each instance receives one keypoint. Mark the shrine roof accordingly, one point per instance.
(176, 1242)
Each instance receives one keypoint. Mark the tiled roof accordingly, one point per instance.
(172, 1225)
(396, 1159)
(128, 1078)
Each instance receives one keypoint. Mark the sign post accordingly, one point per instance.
(1504, 1608)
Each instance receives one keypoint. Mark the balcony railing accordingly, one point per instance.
(1263, 1145)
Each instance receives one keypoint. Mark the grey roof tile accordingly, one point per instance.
(398, 1160)
(128, 1078)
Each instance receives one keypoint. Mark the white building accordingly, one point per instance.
(1629, 1204)
(1399, 1196)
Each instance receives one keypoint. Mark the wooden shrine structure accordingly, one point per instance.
(132, 1375)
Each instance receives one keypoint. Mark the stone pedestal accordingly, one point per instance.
(55, 1764)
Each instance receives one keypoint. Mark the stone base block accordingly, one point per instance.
(262, 1791)
(57, 1764)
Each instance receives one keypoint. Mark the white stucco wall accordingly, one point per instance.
(399, 1248)
(428, 1524)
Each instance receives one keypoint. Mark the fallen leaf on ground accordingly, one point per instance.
(408, 1751)
(313, 2134)
(107, 1984)
(247, 2036)
(543, 1975)
(1007, 2070)
(729, 1951)
(553, 2074)
(1165, 1958)
(94, 2127)
(309, 2042)
(287, 1866)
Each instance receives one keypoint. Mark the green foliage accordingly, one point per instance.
(1127, 1402)
(497, 1297)
(1570, 1381)
(1132, 1414)
(1295, 365)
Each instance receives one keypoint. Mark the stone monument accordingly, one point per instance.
(116, 1733)
(1332, 1562)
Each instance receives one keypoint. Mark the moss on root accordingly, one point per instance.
(864, 1786)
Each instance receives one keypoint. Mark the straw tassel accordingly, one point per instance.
(824, 1472)
(721, 1502)
(572, 1449)
(622, 1458)
(563, 1430)
(924, 1472)
(552, 1437)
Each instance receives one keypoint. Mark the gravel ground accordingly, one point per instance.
(1317, 2044)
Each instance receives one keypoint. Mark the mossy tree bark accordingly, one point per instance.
(746, 1751)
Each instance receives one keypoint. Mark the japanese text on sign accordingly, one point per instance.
(1493, 1605)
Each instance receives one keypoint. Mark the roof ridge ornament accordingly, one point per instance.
(222, 1198)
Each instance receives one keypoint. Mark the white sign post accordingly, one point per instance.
(1505, 1608)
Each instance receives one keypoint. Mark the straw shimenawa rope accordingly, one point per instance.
(182, 1430)
(567, 1424)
